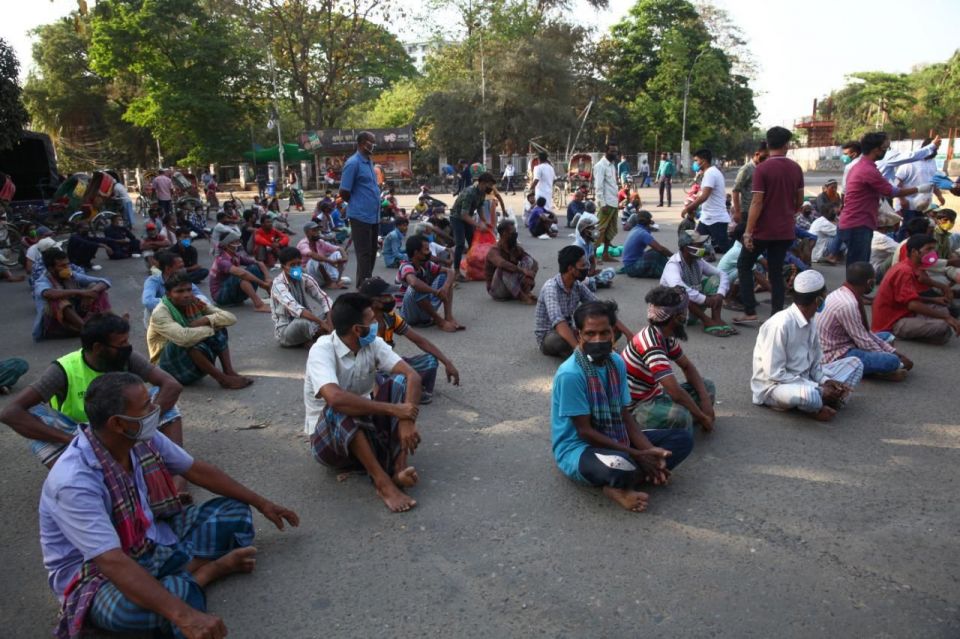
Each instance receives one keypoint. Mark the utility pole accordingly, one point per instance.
(684, 143)
(483, 100)
(159, 157)
(276, 120)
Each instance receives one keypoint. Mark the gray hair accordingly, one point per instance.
(105, 397)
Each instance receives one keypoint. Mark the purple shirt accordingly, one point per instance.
(220, 271)
(861, 200)
(75, 523)
(163, 187)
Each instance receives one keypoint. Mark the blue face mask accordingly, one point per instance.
(296, 273)
(695, 166)
(371, 335)
(821, 305)
(186, 241)
(846, 159)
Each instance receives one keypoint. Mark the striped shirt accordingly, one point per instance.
(648, 357)
(842, 325)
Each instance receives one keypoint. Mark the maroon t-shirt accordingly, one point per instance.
(778, 178)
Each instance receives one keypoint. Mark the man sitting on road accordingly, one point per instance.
(295, 321)
(787, 358)
(325, 262)
(186, 337)
(122, 552)
(559, 298)
(355, 422)
(389, 323)
(643, 256)
(596, 440)
(705, 284)
(393, 249)
(588, 232)
(424, 287)
(191, 259)
(153, 291)
(844, 331)
(510, 272)
(65, 297)
(906, 305)
(268, 242)
(541, 221)
(235, 276)
(657, 399)
(82, 247)
(576, 207)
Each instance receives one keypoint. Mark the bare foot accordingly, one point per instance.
(448, 326)
(825, 414)
(632, 500)
(528, 299)
(238, 560)
(337, 285)
(394, 498)
(262, 308)
(235, 382)
(896, 376)
(407, 477)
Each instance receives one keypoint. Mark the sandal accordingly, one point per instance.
(746, 321)
(721, 331)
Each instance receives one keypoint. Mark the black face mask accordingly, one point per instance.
(388, 306)
(582, 274)
(598, 352)
(115, 359)
(489, 189)
(511, 240)
(612, 157)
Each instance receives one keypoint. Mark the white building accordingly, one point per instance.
(418, 51)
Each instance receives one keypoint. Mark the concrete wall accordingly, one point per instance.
(827, 158)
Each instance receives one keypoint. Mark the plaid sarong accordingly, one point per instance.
(605, 406)
(176, 360)
(127, 517)
(208, 531)
(607, 223)
(331, 438)
(512, 283)
(11, 370)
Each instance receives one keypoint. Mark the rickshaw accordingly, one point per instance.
(580, 171)
(97, 205)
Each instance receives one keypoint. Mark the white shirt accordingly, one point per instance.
(545, 175)
(824, 229)
(846, 172)
(509, 171)
(787, 352)
(120, 192)
(714, 208)
(673, 276)
(605, 183)
(34, 254)
(881, 248)
(332, 362)
(913, 175)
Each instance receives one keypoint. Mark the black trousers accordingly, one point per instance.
(776, 254)
(365, 244)
(665, 183)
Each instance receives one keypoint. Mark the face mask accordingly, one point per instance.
(371, 335)
(233, 248)
(185, 242)
(696, 252)
(821, 305)
(582, 274)
(33, 233)
(945, 226)
(511, 241)
(590, 235)
(432, 237)
(296, 273)
(598, 352)
(882, 155)
(65, 274)
(872, 285)
(119, 361)
(928, 259)
(388, 306)
(695, 166)
(846, 159)
(148, 425)
(612, 157)
(489, 189)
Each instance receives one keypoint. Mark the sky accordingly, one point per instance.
(804, 48)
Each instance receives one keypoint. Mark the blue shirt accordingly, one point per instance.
(569, 401)
(534, 218)
(75, 524)
(153, 291)
(393, 249)
(360, 181)
(575, 207)
(637, 242)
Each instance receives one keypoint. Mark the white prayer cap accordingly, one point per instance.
(810, 281)
(587, 220)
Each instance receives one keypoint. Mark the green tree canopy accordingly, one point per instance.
(13, 115)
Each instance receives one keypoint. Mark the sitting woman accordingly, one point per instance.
(186, 336)
(66, 297)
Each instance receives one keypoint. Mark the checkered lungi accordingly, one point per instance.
(176, 360)
(805, 395)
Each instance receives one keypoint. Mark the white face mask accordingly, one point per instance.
(149, 425)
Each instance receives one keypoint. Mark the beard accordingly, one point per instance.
(680, 332)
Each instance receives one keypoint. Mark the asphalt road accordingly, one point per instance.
(775, 526)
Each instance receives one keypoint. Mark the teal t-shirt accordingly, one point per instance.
(570, 400)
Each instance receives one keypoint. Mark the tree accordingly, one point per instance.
(13, 115)
(329, 55)
(873, 101)
(199, 73)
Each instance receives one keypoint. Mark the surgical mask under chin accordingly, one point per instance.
(186, 241)
(371, 335)
(598, 352)
(696, 251)
(296, 273)
(928, 259)
(149, 425)
(695, 166)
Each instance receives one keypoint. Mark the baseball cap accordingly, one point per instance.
(230, 238)
(375, 287)
(43, 231)
(691, 237)
(46, 244)
(309, 226)
(151, 226)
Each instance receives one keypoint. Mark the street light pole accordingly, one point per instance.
(483, 99)
(684, 143)
(276, 119)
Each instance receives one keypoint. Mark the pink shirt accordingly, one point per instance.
(861, 200)
(320, 246)
(163, 187)
(842, 326)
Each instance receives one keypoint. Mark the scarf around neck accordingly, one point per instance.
(604, 399)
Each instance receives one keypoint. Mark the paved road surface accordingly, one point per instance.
(775, 526)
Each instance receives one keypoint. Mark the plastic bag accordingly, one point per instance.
(473, 266)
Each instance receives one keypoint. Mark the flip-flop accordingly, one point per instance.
(721, 331)
(461, 328)
(746, 322)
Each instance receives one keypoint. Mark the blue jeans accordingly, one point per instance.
(605, 467)
(718, 235)
(858, 241)
(876, 362)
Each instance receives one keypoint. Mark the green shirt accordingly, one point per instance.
(469, 200)
(665, 169)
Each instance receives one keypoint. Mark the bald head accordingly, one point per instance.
(859, 273)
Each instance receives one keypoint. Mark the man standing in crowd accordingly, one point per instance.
(714, 218)
(743, 185)
(596, 440)
(844, 331)
(358, 187)
(356, 423)
(917, 174)
(665, 177)
(787, 360)
(163, 189)
(543, 178)
(623, 171)
(605, 187)
(468, 203)
(771, 228)
(861, 203)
